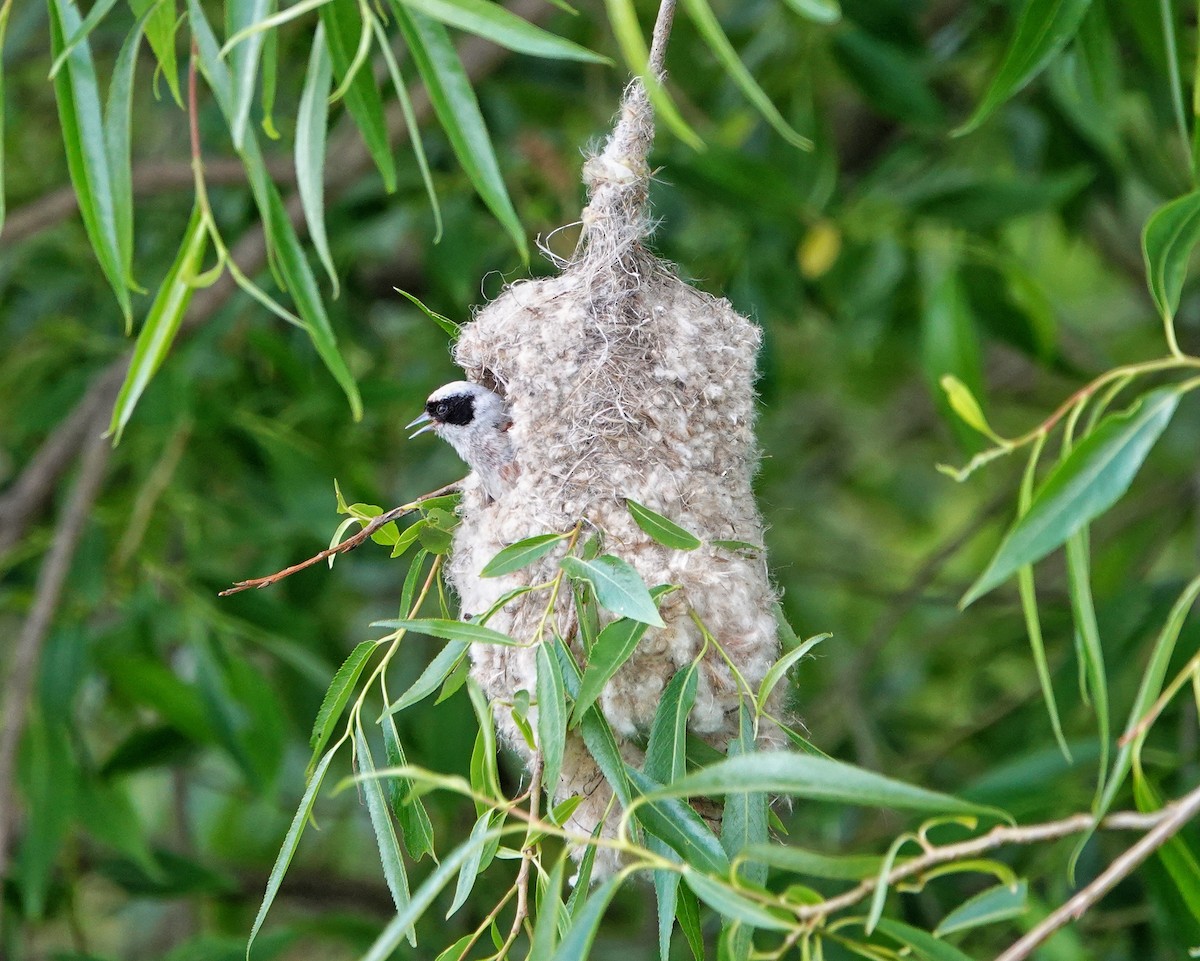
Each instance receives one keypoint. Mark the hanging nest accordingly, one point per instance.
(623, 382)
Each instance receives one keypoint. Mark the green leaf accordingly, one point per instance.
(676, 823)
(722, 898)
(822, 11)
(302, 285)
(817, 779)
(744, 821)
(963, 403)
(612, 649)
(595, 730)
(84, 141)
(337, 696)
(457, 111)
(521, 554)
(342, 20)
(1044, 27)
(852, 867)
(1168, 239)
(99, 11)
(552, 716)
(160, 31)
(710, 29)
(290, 842)
(243, 60)
(381, 823)
(549, 909)
(450, 327)
(492, 22)
(689, 923)
(666, 532)
(1081, 487)
(162, 322)
(118, 120)
(449, 630)
(312, 121)
(923, 944)
(995, 904)
(577, 943)
(1088, 646)
(779, 669)
(270, 82)
(618, 587)
(433, 675)
(410, 811)
(424, 896)
(469, 870)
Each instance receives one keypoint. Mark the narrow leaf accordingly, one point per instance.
(1081, 487)
(822, 11)
(492, 22)
(162, 323)
(852, 867)
(469, 870)
(1169, 237)
(778, 670)
(995, 904)
(612, 649)
(433, 675)
(243, 60)
(78, 96)
(1044, 27)
(818, 779)
(449, 630)
(710, 29)
(676, 823)
(160, 31)
(577, 944)
(410, 812)
(552, 716)
(312, 121)
(722, 898)
(342, 20)
(521, 554)
(118, 121)
(744, 821)
(666, 532)
(618, 587)
(545, 927)
(458, 112)
(290, 842)
(381, 823)
(99, 11)
(337, 695)
(923, 944)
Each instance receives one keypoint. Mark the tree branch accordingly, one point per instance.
(51, 578)
(345, 546)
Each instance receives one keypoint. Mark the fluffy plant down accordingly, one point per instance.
(623, 382)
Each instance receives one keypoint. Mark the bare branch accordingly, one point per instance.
(1173, 817)
(348, 544)
(51, 578)
(660, 38)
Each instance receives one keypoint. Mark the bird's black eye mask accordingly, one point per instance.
(458, 410)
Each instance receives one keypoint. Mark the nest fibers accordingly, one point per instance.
(622, 381)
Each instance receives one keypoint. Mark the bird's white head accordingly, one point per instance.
(475, 422)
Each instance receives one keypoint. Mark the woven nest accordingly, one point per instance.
(623, 382)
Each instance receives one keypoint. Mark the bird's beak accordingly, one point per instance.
(423, 419)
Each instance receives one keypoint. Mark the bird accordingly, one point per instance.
(475, 422)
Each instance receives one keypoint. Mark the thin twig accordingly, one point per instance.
(535, 797)
(51, 578)
(1174, 817)
(660, 38)
(997, 837)
(348, 544)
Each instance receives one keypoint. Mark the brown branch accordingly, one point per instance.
(661, 36)
(1173, 817)
(348, 544)
(997, 837)
(51, 578)
(348, 161)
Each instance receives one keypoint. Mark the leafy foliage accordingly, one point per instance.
(1037, 267)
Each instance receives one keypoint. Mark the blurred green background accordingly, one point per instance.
(167, 729)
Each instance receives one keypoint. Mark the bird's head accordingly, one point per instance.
(461, 409)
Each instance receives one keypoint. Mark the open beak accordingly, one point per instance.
(423, 419)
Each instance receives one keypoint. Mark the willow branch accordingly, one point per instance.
(999, 836)
(343, 547)
(51, 578)
(1171, 818)
(660, 38)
